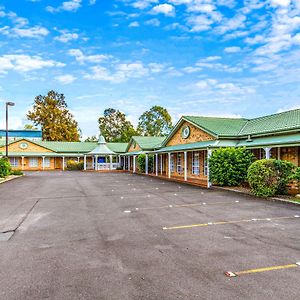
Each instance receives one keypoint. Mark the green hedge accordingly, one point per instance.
(296, 175)
(74, 166)
(229, 166)
(5, 167)
(141, 163)
(268, 177)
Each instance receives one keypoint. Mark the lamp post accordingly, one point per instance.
(7, 104)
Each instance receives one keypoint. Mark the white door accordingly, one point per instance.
(33, 162)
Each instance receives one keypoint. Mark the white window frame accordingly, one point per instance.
(14, 162)
(172, 163)
(35, 159)
(179, 168)
(196, 163)
(47, 162)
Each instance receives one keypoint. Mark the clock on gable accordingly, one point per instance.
(185, 132)
(23, 146)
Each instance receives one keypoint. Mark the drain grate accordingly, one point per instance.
(5, 236)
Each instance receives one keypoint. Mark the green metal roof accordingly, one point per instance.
(218, 126)
(230, 127)
(117, 147)
(198, 146)
(288, 120)
(282, 140)
(147, 142)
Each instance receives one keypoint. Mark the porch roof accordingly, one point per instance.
(134, 153)
(198, 146)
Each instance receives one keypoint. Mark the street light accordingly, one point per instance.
(7, 104)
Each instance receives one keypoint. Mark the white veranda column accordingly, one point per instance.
(169, 165)
(43, 162)
(134, 163)
(161, 163)
(124, 162)
(209, 152)
(128, 163)
(96, 162)
(147, 163)
(110, 162)
(63, 163)
(156, 164)
(278, 153)
(185, 166)
(84, 162)
(78, 159)
(22, 162)
(268, 152)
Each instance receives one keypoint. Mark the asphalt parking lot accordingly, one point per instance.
(75, 235)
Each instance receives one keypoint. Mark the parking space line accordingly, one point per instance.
(183, 205)
(227, 222)
(266, 269)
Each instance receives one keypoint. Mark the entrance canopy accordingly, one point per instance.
(101, 149)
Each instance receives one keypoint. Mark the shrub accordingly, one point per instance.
(228, 166)
(141, 163)
(16, 172)
(268, 177)
(5, 167)
(74, 166)
(296, 175)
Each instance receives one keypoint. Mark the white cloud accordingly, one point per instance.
(134, 24)
(238, 21)
(166, 9)
(153, 22)
(65, 79)
(71, 6)
(66, 36)
(142, 4)
(33, 32)
(232, 49)
(283, 3)
(199, 23)
(82, 58)
(25, 63)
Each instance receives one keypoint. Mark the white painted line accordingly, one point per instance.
(148, 196)
(127, 211)
(175, 194)
(122, 197)
(230, 274)
(136, 208)
(209, 223)
(254, 219)
(296, 216)
(204, 203)
(298, 263)
(268, 219)
(237, 201)
(170, 205)
(156, 188)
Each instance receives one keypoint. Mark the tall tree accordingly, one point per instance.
(115, 127)
(29, 127)
(155, 122)
(52, 114)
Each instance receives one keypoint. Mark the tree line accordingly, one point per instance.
(57, 123)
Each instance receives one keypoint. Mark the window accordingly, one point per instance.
(179, 163)
(205, 167)
(47, 162)
(195, 164)
(33, 162)
(14, 161)
(172, 163)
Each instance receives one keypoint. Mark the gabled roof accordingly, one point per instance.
(147, 142)
(285, 121)
(288, 121)
(218, 126)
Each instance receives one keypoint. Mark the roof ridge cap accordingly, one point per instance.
(275, 114)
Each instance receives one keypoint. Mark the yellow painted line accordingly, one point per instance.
(227, 222)
(266, 269)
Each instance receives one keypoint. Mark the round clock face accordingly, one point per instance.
(23, 145)
(185, 132)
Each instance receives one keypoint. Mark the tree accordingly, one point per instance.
(29, 127)
(52, 114)
(115, 127)
(92, 138)
(155, 122)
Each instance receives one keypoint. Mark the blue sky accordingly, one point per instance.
(197, 57)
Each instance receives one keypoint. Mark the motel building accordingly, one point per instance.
(181, 156)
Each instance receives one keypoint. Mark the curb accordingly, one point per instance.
(275, 199)
(11, 178)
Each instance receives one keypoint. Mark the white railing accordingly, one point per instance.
(107, 166)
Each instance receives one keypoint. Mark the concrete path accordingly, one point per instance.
(81, 235)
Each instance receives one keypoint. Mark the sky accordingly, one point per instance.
(228, 58)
